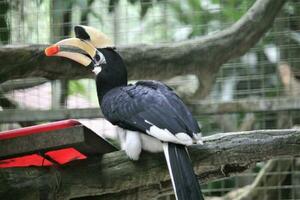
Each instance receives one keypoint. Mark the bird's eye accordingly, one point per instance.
(99, 59)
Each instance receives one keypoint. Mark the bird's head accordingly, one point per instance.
(94, 50)
(91, 48)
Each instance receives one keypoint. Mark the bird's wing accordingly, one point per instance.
(150, 107)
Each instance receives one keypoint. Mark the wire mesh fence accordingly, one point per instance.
(270, 70)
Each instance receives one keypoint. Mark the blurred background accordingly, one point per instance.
(266, 77)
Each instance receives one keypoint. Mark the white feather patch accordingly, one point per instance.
(133, 145)
(198, 138)
(151, 144)
(97, 70)
(132, 142)
(122, 137)
(166, 136)
(162, 134)
(184, 138)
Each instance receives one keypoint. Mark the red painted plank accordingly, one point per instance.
(38, 129)
(63, 156)
(25, 161)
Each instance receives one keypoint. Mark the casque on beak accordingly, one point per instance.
(93, 36)
(60, 49)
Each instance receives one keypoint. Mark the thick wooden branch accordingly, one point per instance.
(202, 56)
(114, 174)
(21, 84)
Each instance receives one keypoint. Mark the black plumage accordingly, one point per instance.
(136, 107)
(139, 106)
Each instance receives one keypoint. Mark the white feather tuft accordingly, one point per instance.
(97, 70)
(165, 135)
(198, 138)
(184, 138)
(151, 144)
(133, 145)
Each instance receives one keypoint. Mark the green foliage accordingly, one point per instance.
(76, 87)
(145, 5)
(192, 12)
(4, 25)
(216, 185)
(112, 4)
(232, 10)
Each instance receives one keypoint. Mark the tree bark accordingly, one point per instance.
(115, 175)
(202, 56)
(19, 84)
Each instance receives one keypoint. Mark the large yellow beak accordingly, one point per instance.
(56, 50)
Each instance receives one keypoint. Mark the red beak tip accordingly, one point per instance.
(52, 50)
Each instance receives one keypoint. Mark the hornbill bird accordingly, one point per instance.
(150, 116)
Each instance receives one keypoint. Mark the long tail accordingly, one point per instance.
(184, 181)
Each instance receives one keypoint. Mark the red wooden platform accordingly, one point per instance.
(49, 144)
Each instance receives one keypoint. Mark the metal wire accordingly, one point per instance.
(254, 75)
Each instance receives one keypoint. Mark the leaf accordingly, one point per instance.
(112, 4)
(4, 25)
(145, 5)
(76, 87)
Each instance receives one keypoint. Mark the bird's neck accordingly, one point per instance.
(112, 75)
(103, 87)
(109, 78)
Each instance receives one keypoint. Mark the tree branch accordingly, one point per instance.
(202, 56)
(8, 104)
(18, 84)
(289, 81)
(114, 173)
